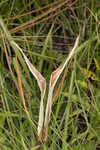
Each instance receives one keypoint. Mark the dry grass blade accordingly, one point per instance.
(21, 91)
(28, 23)
(39, 20)
(61, 83)
(20, 85)
(54, 77)
(42, 85)
(8, 62)
(46, 18)
(33, 11)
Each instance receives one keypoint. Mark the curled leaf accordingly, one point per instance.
(42, 85)
(53, 79)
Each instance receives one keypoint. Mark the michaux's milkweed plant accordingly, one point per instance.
(43, 121)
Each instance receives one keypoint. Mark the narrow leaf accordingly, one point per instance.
(42, 85)
(53, 79)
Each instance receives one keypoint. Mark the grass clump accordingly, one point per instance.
(46, 32)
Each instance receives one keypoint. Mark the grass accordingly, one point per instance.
(74, 121)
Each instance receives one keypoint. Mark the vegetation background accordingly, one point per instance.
(46, 31)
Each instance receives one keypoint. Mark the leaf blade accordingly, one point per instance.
(53, 79)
